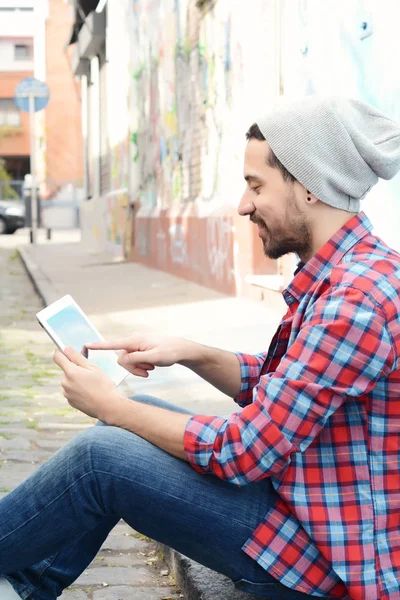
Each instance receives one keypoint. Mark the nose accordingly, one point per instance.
(246, 205)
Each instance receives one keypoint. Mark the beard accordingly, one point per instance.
(293, 234)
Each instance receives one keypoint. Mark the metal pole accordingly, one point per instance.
(33, 170)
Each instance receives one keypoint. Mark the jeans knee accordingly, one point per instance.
(106, 447)
(94, 441)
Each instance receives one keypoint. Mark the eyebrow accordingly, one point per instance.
(253, 178)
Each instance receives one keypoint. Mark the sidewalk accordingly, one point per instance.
(122, 298)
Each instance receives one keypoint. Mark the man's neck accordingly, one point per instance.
(328, 223)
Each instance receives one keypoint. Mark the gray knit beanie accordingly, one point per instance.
(336, 147)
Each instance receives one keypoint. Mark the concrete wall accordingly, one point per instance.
(17, 4)
(16, 27)
(16, 22)
(350, 54)
(7, 54)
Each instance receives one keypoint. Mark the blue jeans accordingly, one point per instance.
(54, 523)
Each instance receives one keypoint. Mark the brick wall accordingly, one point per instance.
(64, 160)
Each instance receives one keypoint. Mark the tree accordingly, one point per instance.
(6, 191)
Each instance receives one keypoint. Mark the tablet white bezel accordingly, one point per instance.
(57, 306)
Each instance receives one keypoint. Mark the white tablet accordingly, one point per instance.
(67, 325)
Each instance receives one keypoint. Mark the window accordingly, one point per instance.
(9, 113)
(22, 52)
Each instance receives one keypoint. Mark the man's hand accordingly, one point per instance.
(87, 387)
(141, 354)
(91, 391)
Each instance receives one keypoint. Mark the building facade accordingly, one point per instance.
(16, 62)
(59, 126)
(169, 93)
(34, 37)
(169, 89)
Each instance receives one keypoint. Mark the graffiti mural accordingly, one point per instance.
(186, 86)
(118, 223)
(186, 66)
(119, 157)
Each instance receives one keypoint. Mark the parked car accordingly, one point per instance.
(12, 216)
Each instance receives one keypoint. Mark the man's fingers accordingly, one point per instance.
(120, 344)
(139, 372)
(128, 356)
(61, 360)
(134, 359)
(146, 366)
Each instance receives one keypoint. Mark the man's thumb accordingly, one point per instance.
(76, 357)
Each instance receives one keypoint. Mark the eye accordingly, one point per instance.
(256, 189)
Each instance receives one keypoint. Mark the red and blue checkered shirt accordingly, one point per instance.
(320, 416)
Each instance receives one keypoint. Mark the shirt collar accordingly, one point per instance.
(327, 257)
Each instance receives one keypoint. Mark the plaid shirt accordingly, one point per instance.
(320, 416)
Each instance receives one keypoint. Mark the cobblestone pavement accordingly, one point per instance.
(35, 420)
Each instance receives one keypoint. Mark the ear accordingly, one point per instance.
(310, 198)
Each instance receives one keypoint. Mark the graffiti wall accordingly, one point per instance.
(192, 100)
(177, 93)
(183, 86)
(200, 249)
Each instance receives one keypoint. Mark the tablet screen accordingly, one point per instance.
(73, 330)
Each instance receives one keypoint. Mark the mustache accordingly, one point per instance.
(257, 220)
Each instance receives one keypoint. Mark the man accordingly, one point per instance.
(301, 493)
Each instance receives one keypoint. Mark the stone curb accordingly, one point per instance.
(43, 286)
(198, 582)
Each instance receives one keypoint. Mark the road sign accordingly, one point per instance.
(31, 96)
(28, 88)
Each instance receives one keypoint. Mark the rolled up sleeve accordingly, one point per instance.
(250, 369)
(343, 347)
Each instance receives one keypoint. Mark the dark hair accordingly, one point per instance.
(272, 161)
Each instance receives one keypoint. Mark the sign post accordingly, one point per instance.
(34, 215)
(31, 96)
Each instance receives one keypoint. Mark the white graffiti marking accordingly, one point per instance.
(219, 247)
(178, 249)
